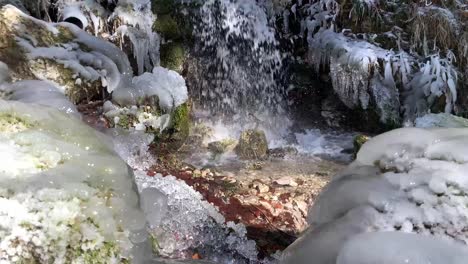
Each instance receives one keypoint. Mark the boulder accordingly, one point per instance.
(252, 145)
(66, 195)
(222, 146)
(34, 49)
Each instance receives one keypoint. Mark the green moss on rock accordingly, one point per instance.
(161, 7)
(12, 123)
(252, 145)
(174, 137)
(167, 27)
(173, 56)
(180, 121)
(220, 147)
(358, 142)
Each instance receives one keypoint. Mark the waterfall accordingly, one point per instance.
(238, 62)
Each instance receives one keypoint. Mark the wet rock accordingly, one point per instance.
(254, 166)
(222, 146)
(260, 187)
(286, 181)
(174, 137)
(282, 152)
(173, 56)
(331, 113)
(252, 145)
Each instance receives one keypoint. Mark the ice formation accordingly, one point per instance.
(137, 19)
(131, 20)
(409, 180)
(65, 196)
(40, 92)
(189, 223)
(102, 61)
(441, 120)
(368, 75)
(166, 84)
(69, 46)
(34, 91)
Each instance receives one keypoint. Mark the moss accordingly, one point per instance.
(12, 123)
(181, 121)
(126, 120)
(155, 244)
(173, 56)
(172, 138)
(358, 141)
(43, 36)
(58, 73)
(252, 145)
(161, 7)
(11, 53)
(167, 27)
(96, 256)
(222, 146)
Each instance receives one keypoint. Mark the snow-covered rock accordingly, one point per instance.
(410, 180)
(80, 64)
(441, 120)
(65, 196)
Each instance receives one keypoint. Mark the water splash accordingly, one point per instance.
(239, 64)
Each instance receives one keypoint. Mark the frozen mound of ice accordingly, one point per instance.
(65, 196)
(190, 224)
(39, 92)
(396, 248)
(410, 180)
(166, 84)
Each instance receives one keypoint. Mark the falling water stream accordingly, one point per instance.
(239, 80)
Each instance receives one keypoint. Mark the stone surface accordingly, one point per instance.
(222, 146)
(14, 26)
(274, 214)
(252, 145)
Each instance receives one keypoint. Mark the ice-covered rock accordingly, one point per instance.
(81, 65)
(410, 180)
(35, 91)
(65, 195)
(167, 85)
(396, 248)
(441, 120)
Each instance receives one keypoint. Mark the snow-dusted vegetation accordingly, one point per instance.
(396, 58)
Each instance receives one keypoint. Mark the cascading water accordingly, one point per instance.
(238, 66)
